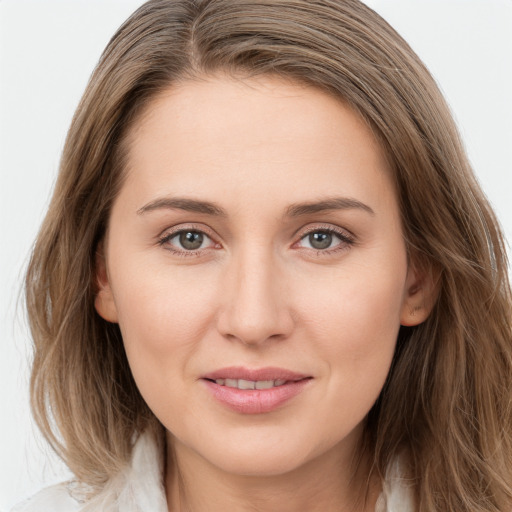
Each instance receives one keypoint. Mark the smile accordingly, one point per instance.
(250, 384)
(255, 391)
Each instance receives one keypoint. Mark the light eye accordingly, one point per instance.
(187, 240)
(324, 240)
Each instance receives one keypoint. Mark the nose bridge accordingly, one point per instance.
(255, 305)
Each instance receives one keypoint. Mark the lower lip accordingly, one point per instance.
(256, 401)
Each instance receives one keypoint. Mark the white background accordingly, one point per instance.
(47, 52)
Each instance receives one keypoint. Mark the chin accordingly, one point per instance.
(266, 452)
(257, 463)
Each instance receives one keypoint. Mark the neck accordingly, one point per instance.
(329, 483)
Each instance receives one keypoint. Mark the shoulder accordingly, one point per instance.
(57, 498)
(138, 487)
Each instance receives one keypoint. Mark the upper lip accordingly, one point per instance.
(255, 374)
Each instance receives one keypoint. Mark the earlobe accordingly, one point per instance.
(104, 298)
(420, 296)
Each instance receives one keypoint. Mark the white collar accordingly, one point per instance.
(139, 487)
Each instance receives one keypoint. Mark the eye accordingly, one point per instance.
(187, 240)
(325, 240)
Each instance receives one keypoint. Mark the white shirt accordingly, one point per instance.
(140, 488)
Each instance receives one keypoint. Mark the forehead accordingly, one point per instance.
(261, 136)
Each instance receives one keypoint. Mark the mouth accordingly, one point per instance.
(254, 391)
(240, 373)
(249, 384)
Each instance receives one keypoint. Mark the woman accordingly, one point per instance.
(267, 279)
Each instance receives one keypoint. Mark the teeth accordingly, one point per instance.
(246, 384)
(250, 384)
(265, 384)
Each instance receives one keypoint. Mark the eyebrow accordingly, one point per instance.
(294, 210)
(188, 205)
(334, 203)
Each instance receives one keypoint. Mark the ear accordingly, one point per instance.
(104, 299)
(421, 290)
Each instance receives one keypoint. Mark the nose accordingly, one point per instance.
(255, 305)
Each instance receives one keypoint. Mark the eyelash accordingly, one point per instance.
(164, 240)
(346, 240)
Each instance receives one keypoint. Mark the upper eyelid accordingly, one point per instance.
(325, 227)
(179, 228)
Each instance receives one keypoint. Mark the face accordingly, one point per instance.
(257, 243)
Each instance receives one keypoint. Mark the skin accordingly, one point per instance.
(257, 293)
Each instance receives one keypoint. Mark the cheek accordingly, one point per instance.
(163, 315)
(354, 318)
(357, 302)
(159, 305)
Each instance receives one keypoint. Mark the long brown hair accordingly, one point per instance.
(447, 401)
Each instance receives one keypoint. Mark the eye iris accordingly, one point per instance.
(320, 240)
(191, 240)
